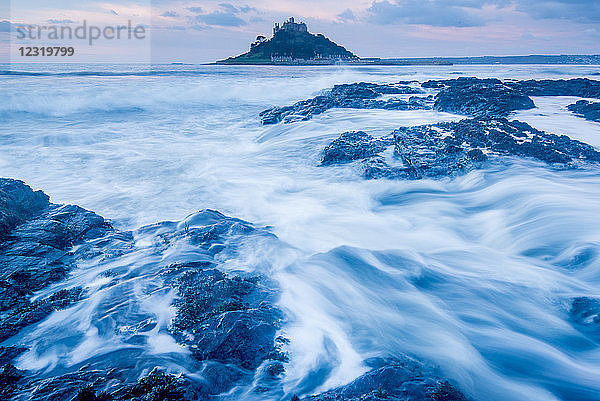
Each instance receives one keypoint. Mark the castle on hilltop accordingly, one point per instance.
(292, 43)
(290, 26)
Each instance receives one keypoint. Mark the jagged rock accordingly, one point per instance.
(357, 96)
(494, 98)
(474, 97)
(581, 87)
(355, 145)
(586, 109)
(478, 97)
(448, 149)
(7, 354)
(400, 380)
(18, 203)
(494, 137)
(35, 252)
(227, 320)
(87, 393)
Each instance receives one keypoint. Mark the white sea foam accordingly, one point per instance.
(472, 274)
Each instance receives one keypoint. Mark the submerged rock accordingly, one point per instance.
(33, 312)
(357, 96)
(160, 386)
(400, 380)
(478, 97)
(585, 313)
(586, 109)
(448, 149)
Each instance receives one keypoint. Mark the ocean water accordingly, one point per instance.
(473, 274)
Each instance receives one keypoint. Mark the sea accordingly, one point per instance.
(472, 274)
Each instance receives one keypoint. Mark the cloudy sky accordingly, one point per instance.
(203, 31)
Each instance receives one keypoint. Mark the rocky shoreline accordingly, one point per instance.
(471, 97)
(225, 322)
(448, 149)
(174, 322)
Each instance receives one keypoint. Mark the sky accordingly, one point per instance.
(205, 31)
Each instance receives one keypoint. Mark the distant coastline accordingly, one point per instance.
(293, 44)
(441, 61)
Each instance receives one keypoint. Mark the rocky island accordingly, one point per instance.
(292, 44)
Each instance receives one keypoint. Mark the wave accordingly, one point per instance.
(475, 274)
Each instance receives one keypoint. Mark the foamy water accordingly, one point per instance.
(472, 274)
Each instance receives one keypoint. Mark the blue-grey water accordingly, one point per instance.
(473, 274)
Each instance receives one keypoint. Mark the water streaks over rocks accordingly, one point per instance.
(448, 149)
(357, 96)
(220, 339)
(225, 322)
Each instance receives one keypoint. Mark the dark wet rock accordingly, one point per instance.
(475, 138)
(10, 378)
(87, 393)
(18, 203)
(474, 97)
(357, 96)
(444, 391)
(35, 251)
(401, 380)
(228, 321)
(87, 384)
(224, 318)
(478, 97)
(7, 354)
(494, 98)
(449, 149)
(19, 317)
(586, 109)
(160, 386)
(355, 145)
(77, 385)
(208, 230)
(581, 87)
